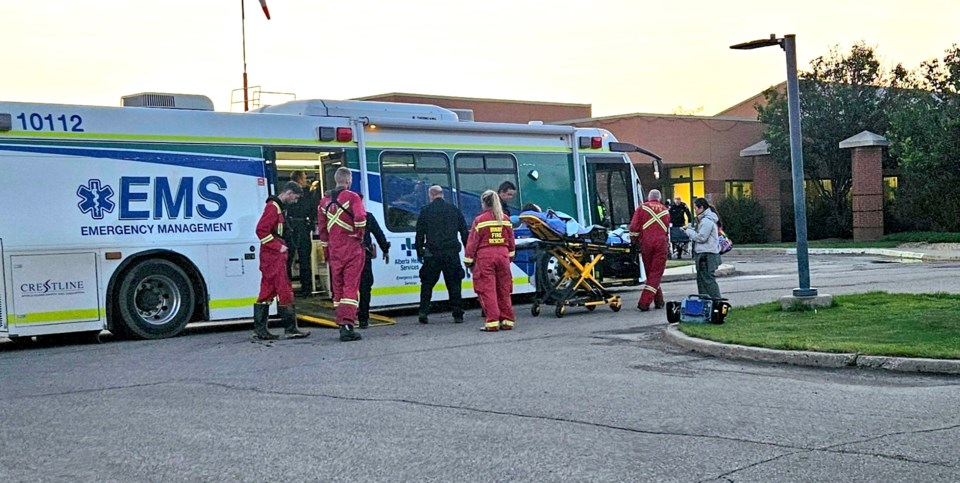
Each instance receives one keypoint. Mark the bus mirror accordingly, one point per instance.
(633, 148)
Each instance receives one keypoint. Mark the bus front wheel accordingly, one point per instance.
(155, 300)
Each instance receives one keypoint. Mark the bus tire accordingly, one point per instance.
(155, 300)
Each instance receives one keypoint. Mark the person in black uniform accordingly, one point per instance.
(679, 213)
(300, 220)
(506, 191)
(437, 245)
(366, 279)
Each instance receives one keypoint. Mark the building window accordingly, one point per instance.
(687, 183)
(478, 172)
(739, 189)
(405, 179)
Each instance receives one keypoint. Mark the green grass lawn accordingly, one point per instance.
(875, 323)
(678, 263)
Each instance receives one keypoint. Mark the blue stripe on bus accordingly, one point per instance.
(373, 183)
(227, 164)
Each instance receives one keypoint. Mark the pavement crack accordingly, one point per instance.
(85, 391)
(506, 413)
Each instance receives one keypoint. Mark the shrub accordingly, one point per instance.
(743, 219)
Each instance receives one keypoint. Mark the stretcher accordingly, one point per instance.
(566, 258)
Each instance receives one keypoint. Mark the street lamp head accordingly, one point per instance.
(756, 44)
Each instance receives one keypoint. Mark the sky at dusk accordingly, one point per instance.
(620, 56)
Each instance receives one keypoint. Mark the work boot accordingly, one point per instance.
(347, 334)
(260, 314)
(423, 319)
(364, 323)
(288, 315)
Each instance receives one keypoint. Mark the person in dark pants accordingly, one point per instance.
(301, 220)
(437, 245)
(372, 232)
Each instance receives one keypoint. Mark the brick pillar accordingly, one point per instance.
(867, 159)
(766, 188)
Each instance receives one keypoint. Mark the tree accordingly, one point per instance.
(840, 96)
(925, 136)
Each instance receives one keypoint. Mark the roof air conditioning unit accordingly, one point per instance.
(190, 102)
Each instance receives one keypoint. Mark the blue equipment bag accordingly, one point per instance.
(696, 309)
(701, 309)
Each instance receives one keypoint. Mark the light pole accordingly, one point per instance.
(789, 44)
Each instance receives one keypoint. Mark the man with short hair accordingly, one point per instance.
(341, 221)
(506, 192)
(273, 262)
(436, 243)
(648, 230)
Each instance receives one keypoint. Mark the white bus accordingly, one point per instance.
(140, 220)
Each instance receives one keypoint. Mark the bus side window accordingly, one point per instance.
(478, 172)
(405, 179)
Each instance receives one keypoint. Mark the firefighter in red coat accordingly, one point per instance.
(341, 220)
(490, 249)
(649, 230)
(273, 267)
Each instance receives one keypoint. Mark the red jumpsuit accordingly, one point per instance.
(340, 225)
(273, 258)
(490, 247)
(649, 229)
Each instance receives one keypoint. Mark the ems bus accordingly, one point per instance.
(141, 219)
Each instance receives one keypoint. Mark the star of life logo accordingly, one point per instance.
(95, 199)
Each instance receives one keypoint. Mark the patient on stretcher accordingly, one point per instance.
(558, 226)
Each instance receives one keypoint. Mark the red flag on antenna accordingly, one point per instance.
(263, 4)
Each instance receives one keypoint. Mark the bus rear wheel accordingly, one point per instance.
(155, 300)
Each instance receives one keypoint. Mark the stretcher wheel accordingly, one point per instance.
(591, 308)
(535, 310)
(561, 309)
(616, 304)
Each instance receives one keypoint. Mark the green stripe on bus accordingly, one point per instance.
(154, 137)
(405, 289)
(232, 303)
(56, 316)
(489, 147)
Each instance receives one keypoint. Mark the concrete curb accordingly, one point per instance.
(885, 252)
(690, 273)
(808, 358)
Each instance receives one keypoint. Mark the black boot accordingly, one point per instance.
(364, 323)
(347, 334)
(260, 314)
(288, 315)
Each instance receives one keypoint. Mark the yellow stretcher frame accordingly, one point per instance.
(578, 257)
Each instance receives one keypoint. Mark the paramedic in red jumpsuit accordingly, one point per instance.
(341, 220)
(274, 282)
(490, 249)
(649, 230)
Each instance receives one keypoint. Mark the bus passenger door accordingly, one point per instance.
(612, 196)
(611, 191)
